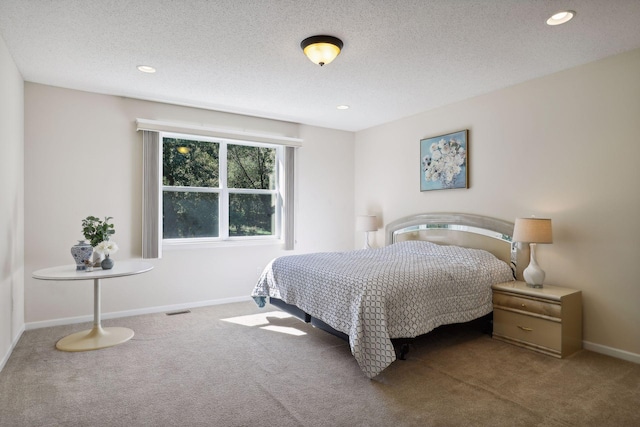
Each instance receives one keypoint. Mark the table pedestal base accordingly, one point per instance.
(94, 339)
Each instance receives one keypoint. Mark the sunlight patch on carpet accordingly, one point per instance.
(263, 321)
(284, 330)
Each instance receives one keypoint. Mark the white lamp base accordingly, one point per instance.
(533, 274)
(366, 240)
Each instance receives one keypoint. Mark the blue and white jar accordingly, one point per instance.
(81, 253)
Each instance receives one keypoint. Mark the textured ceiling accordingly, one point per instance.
(400, 57)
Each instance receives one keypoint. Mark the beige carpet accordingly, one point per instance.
(199, 370)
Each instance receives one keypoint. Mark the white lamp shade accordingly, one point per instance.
(532, 230)
(366, 223)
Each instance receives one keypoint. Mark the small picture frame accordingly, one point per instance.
(444, 161)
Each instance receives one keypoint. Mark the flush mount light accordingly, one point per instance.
(561, 17)
(321, 49)
(146, 69)
(342, 107)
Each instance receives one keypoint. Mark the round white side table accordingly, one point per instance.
(96, 337)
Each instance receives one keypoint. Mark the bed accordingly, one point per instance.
(435, 269)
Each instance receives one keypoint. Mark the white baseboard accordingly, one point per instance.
(613, 352)
(5, 358)
(137, 312)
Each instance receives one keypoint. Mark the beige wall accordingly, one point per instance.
(11, 204)
(562, 146)
(565, 146)
(84, 157)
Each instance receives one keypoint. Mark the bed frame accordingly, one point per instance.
(466, 230)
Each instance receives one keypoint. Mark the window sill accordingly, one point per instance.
(168, 245)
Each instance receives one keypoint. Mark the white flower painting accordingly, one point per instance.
(444, 162)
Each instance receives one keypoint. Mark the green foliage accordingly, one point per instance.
(189, 215)
(251, 214)
(250, 167)
(189, 163)
(96, 230)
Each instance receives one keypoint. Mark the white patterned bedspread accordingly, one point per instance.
(398, 291)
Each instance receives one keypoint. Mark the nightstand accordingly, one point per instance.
(547, 320)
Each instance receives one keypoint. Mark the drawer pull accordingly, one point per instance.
(525, 328)
(524, 305)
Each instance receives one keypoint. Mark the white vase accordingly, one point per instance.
(97, 258)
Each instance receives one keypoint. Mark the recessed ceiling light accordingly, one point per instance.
(342, 107)
(146, 69)
(561, 17)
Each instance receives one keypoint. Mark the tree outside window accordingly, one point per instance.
(219, 189)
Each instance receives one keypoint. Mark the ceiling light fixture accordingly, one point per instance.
(342, 107)
(146, 69)
(561, 17)
(321, 49)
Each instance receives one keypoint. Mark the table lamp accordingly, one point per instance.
(366, 223)
(533, 231)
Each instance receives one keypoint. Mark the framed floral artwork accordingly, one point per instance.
(444, 161)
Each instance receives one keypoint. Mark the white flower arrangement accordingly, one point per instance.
(107, 247)
(445, 162)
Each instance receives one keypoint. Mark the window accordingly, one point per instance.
(217, 189)
(223, 188)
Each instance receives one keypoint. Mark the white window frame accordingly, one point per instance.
(224, 191)
(152, 245)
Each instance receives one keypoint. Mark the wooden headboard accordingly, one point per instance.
(466, 230)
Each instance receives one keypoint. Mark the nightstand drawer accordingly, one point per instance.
(527, 304)
(526, 329)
